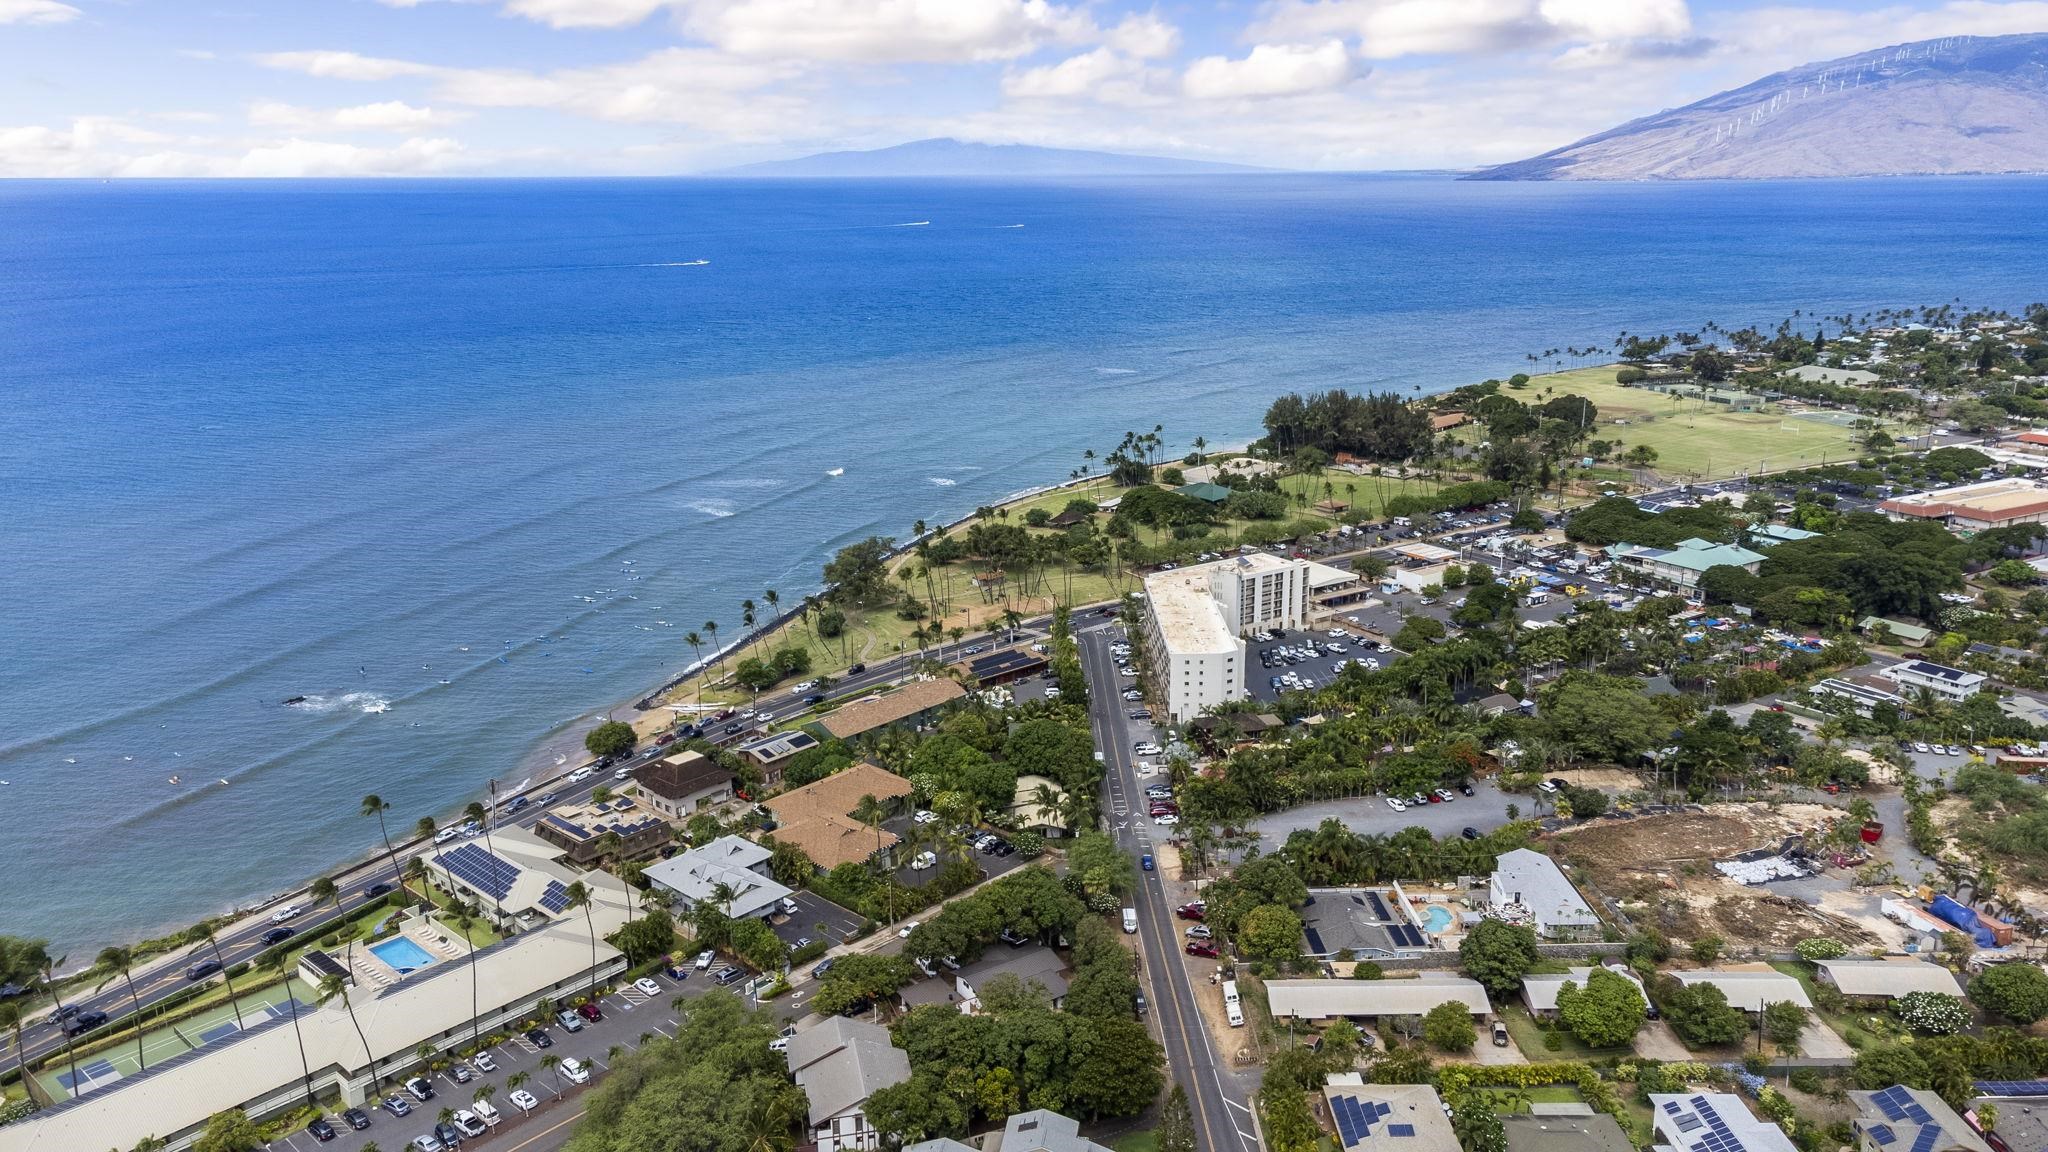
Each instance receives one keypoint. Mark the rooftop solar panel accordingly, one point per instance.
(1671, 1106)
(1882, 1133)
(1688, 1122)
(1400, 1129)
(1930, 1135)
(2013, 1088)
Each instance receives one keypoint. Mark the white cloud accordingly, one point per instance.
(1074, 76)
(585, 13)
(342, 65)
(296, 157)
(1144, 35)
(1270, 70)
(1388, 29)
(36, 12)
(1618, 19)
(886, 31)
(387, 116)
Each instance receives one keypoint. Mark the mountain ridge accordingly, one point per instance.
(944, 156)
(1959, 105)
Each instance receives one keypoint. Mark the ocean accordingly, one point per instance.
(460, 462)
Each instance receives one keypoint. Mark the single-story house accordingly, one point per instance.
(1911, 635)
(772, 753)
(736, 864)
(1539, 993)
(1887, 978)
(1387, 1117)
(1898, 1118)
(818, 817)
(1713, 1122)
(1682, 565)
(1748, 986)
(1529, 886)
(907, 704)
(1591, 1132)
(1330, 999)
(680, 786)
(1206, 493)
(839, 1064)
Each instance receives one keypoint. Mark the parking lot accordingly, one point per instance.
(1485, 810)
(1322, 669)
(630, 1020)
(817, 918)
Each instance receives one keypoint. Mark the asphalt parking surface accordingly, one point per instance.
(1322, 669)
(1485, 810)
(817, 918)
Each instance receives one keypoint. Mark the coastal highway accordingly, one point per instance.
(1223, 1117)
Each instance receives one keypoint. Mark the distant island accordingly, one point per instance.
(945, 156)
(1961, 105)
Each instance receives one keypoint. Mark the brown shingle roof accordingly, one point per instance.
(830, 840)
(676, 777)
(907, 701)
(838, 794)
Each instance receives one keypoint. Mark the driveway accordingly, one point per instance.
(1818, 1041)
(1657, 1041)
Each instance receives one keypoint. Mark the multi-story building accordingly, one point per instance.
(839, 1064)
(1198, 618)
(1948, 683)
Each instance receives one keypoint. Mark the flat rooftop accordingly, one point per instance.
(1991, 500)
(1186, 612)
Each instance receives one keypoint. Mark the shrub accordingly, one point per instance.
(1932, 1013)
(1806, 1080)
(1368, 970)
(1820, 948)
(1448, 1026)
(2018, 992)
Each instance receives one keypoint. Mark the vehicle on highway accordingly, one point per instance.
(1145, 862)
(806, 686)
(279, 935)
(856, 670)
(1202, 948)
(84, 1022)
(647, 986)
(525, 1101)
(288, 912)
(202, 970)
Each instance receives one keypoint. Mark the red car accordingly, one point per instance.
(1195, 911)
(1203, 948)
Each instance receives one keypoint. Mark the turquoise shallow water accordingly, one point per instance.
(459, 462)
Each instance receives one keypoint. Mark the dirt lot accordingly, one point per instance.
(1661, 870)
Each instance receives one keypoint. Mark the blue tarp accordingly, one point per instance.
(1549, 581)
(1963, 918)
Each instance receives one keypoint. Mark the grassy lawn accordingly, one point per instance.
(1146, 1141)
(1693, 438)
(1541, 1094)
(1529, 1038)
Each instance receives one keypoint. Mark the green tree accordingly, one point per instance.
(229, 1131)
(1706, 949)
(1176, 1123)
(375, 805)
(1883, 1065)
(1498, 955)
(118, 961)
(1448, 1027)
(611, 738)
(1782, 1023)
(2016, 991)
(1101, 865)
(1289, 1125)
(1270, 932)
(1702, 1016)
(1606, 1013)
(1477, 1126)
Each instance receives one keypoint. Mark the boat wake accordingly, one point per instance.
(1118, 371)
(912, 224)
(368, 703)
(675, 264)
(715, 508)
(835, 471)
(942, 481)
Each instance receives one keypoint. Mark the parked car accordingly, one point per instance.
(525, 1101)
(823, 966)
(907, 929)
(539, 1038)
(647, 986)
(421, 1090)
(1013, 938)
(396, 1105)
(1200, 932)
(461, 1074)
(574, 1071)
(484, 1062)
(466, 1122)
(427, 1143)
(320, 1129)
(569, 1020)
(590, 1011)
(1470, 833)
(1196, 911)
(1203, 948)
(447, 1134)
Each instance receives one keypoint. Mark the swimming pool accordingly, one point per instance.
(1436, 919)
(402, 954)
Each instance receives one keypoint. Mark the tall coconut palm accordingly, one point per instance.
(463, 918)
(10, 1015)
(696, 644)
(774, 600)
(711, 626)
(42, 959)
(375, 805)
(579, 897)
(425, 828)
(334, 986)
(273, 959)
(487, 819)
(553, 1064)
(212, 937)
(325, 891)
(116, 960)
(747, 618)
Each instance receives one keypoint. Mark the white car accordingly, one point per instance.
(574, 1070)
(484, 1063)
(704, 959)
(524, 1101)
(804, 687)
(466, 1123)
(1394, 802)
(581, 774)
(925, 816)
(647, 986)
(1920, 746)
(288, 912)
(1336, 633)
(763, 717)
(1167, 820)
(1052, 693)
(907, 929)
(779, 1044)
(1134, 694)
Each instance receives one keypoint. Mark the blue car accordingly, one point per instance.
(1145, 861)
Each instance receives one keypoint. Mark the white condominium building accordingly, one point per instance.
(1198, 618)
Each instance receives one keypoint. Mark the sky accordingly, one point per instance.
(285, 88)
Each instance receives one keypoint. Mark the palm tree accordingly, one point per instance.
(273, 959)
(747, 617)
(426, 828)
(334, 985)
(375, 805)
(553, 1064)
(774, 602)
(579, 897)
(711, 626)
(212, 935)
(463, 918)
(517, 1080)
(41, 959)
(116, 959)
(10, 1015)
(416, 872)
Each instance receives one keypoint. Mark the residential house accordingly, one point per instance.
(818, 817)
(1539, 992)
(680, 786)
(580, 830)
(1387, 1117)
(1909, 635)
(1362, 999)
(730, 866)
(1032, 813)
(1528, 886)
(1900, 1119)
(1951, 684)
(1040, 1130)
(1586, 1131)
(839, 1064)
(1887, 978)
(1713, 1122)
(1748, 986)
(905, 705)
(1765, 535)
(516, 878)
(1681, 566)
(772, 753)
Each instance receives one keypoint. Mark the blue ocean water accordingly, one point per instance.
(351, 440)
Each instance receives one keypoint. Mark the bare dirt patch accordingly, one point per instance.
(1660, 870)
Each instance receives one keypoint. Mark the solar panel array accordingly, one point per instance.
(1928, 1138)
(1407, 936)
(2013, 1088)
(1882, 1133)
(1719, 1137)
(1356, 1117)
(554, 897)
(486, 872)
(1897, 1103)
(1400, 1129)
(1378, 909)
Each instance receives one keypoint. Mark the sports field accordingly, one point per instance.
(107, 1065)
(1695, 439)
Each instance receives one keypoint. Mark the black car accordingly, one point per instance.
(856, 670)
(356, 1118)
(1470, 833)
(202, 970)
(815, 698)
(1466, 789)
(84, 1022)
(447, 1135)
(380, 888)
(1013, 938)
(539, 1038)
(279, 935)
(320, 1129)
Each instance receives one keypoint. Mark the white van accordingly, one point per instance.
(486, 1113)
(1233, 1008)
(574, 1070)
(1535, 598)
(1131, 920)
(1401, 522)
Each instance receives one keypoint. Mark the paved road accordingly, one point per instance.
(1222, 1115)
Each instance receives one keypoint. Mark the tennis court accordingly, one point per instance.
(160, 1045)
